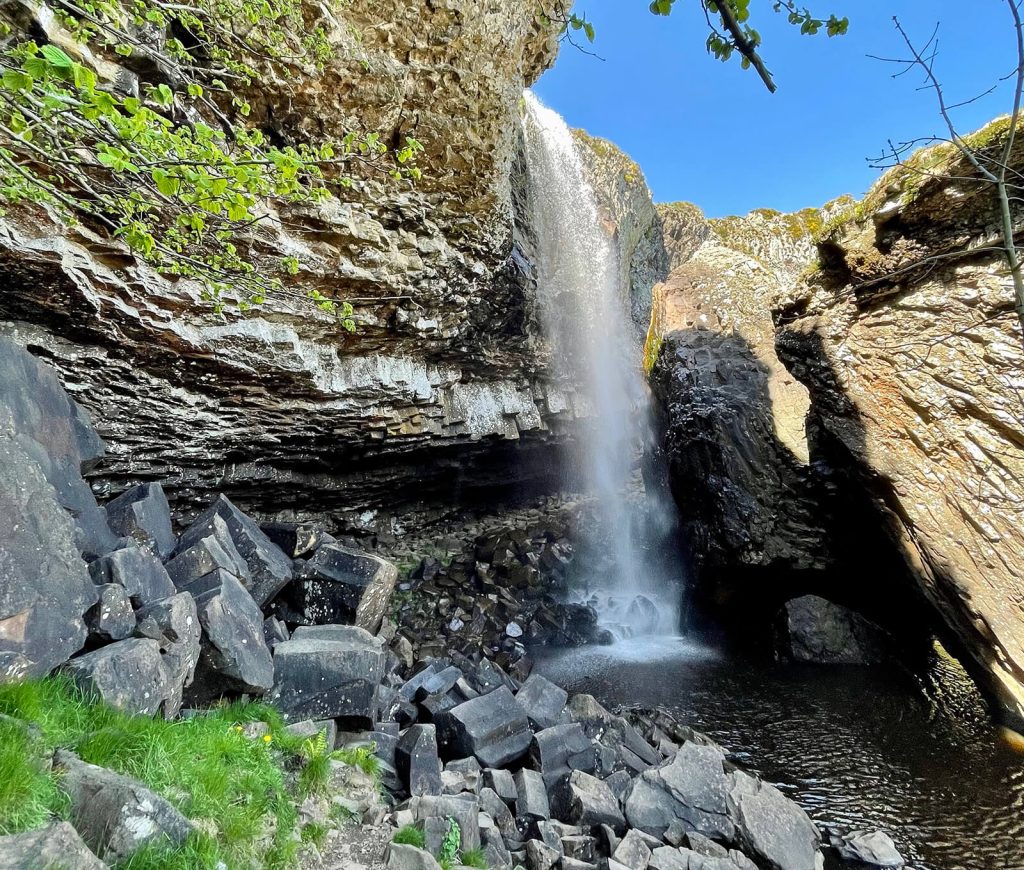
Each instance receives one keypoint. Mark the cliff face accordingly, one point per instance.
(282, 409)
(846, 411)
(907, 341)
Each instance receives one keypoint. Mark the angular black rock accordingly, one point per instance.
(588, 802)
(128, 674)
(137, 570)
(552, 748)
(110, 618)
(542, 700)
(206, 554)
(417, 762)
(174, 624)
(532, 797)
(492, 727)
(328, 672)
(270, 569)
(142, 513)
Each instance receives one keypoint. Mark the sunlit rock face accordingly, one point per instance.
(907, 341)
(284, 410)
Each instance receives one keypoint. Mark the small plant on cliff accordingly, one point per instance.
(172, 162)
(449, 853)
(410, 835)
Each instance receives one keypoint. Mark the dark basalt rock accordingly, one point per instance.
(417, 762)
(492, 727)
(137, 570)
(56, 845)
(328, 672)
(128, 674)
(110, 618)
(215, 550)
(174, 624)
(340, 585)
(542, 700)
(812, 629)
(57, 436)
(115, 815)
(296, 540)
(771, 827)
(552, 749)
(532, 802)
(234, 653)
(142, 513)
(269, 568)
(465, 809)
(588, 802)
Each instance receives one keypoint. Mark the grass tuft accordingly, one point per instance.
(410, 835)
(474, 858)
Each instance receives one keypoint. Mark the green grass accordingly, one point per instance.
(234, 786)
(474, 858)
(410, 835)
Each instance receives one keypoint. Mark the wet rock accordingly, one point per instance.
(142, 513)
(588, 802)
(269, 568)
(813, 629)
(207, 554)
(328, 672)
(867, 850)
(56, 845)
(772, 828)
(417, 762)
(234, 653)
(340, 585)
(492, 727)
(115, 815)
(110, 618)
(137, 570)
(128, 674)
(542, 700)
(174, 624)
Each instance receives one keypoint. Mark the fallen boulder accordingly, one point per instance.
(270, 569)
(137, 570)
(206, 554)
(174, 624)
(813, 629)
(417, 762)
(492, 727)
(868, 850)
(772, 828)
(115, 815)
(542, 700)
(142, 513)
(57, 845)
(128, 674)
(588, 802)
(111, 617)
(328, 672)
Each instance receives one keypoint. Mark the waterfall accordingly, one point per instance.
(585, 314)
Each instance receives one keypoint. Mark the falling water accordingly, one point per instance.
(584, 309)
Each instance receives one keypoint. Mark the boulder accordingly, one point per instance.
(137, 570)
(54, 435)
(274, 631)
(813, 629)
(868, 850)
(772, 828)
(500, 813)
(206, 554)
(417, 762)
(328, 672)
(401, 857)
(340, 585)
(128, 674)
(296, 540)
(492, 727)
(542, 701)
(115, 815)
(234, 652)
(531, 797)
(632, 851)
(112, 617)
(55, 846)
(142, 513)
(269, 568)
(588, 802)
(496, 853)
(465, 809)
(541, 856)
(461, 775)
(45, 588)
(552, 748)
(502, 783)
(174, 624)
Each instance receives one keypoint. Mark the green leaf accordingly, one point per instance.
(167, 184)
(17, 81)
(57, 58)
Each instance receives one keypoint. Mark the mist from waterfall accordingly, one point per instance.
(625, 571)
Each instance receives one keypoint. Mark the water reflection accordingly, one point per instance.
(918, 757)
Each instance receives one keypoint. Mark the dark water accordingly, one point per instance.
(917, 756)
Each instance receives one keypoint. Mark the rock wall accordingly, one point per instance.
(906, 338)
(283, 409)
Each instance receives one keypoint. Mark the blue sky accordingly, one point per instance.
(710, 133)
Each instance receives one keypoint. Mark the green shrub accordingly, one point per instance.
(474, 858)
